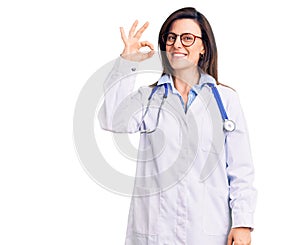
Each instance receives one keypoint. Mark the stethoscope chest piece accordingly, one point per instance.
(229, 125)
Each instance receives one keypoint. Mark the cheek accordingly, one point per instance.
(195, 56)
(195, 53)
(168, 50)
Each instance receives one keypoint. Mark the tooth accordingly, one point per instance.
(179, 55)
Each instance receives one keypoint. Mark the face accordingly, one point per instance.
(179, 56)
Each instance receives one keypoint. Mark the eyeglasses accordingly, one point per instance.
(187, 39)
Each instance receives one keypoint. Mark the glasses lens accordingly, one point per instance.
(170, 38)
(187, 39)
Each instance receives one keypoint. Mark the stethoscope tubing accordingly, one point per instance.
(159, 109)
(228, 125)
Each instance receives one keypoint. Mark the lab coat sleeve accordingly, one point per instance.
(240, 169)
(122, 107)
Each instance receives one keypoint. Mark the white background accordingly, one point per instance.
(49, 49)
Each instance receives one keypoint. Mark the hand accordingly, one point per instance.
(240, 236)
(133, 45)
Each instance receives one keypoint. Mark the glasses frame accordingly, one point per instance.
(180, 37)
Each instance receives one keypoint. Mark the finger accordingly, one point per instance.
(230, 239)
(150, 54)
(147, 55)
(123, 35)
(132, 29)
(141, 30)
(147, 44)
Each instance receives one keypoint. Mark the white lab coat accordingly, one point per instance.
(181, 197)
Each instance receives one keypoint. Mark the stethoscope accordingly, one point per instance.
(228, 125)
(159, 109)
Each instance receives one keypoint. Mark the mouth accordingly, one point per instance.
(178, 55)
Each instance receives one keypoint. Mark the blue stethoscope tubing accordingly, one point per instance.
(228, 124)
(159, 109)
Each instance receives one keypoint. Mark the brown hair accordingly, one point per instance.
(209, 62)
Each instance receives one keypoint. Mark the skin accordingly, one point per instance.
(239, 236)
(184, 61)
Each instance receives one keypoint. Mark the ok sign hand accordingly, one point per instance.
(133, 44)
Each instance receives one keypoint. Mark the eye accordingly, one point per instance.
(171, 37)
(187, 38)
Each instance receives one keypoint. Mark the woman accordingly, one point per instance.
(194, 178)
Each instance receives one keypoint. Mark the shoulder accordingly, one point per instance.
(230, 97)
(227, 91)
(225, 85)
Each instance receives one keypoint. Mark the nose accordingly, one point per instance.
(178, 43)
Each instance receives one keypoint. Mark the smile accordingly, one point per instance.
(178, 55)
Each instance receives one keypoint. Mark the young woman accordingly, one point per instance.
(194, 176)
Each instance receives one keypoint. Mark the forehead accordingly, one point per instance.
(185, 26)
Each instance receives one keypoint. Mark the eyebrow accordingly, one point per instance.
(185, 33)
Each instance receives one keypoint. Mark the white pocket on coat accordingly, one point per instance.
(146, 211)
(216, 218)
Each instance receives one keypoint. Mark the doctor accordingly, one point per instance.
(194, 175)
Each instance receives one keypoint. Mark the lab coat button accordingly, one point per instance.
(133, 69)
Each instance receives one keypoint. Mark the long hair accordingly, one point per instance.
(208, 63)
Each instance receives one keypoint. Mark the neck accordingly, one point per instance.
(185, 79)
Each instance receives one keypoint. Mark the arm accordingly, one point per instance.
(120, 103)
(240, 171)
(121, 110)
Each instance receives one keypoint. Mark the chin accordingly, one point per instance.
(181, 65)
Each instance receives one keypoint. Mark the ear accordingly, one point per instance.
(201, 54)
(202, 51)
